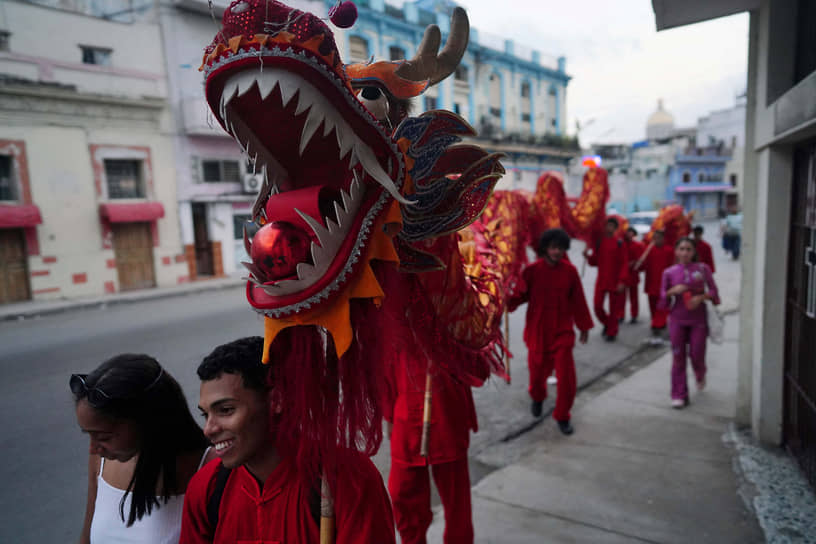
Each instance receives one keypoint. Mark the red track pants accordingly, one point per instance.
(410, 490)
(658, 316)
(630, 293)
(609, 320)
(541, 364)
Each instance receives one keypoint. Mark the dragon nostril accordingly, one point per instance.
(371, 93)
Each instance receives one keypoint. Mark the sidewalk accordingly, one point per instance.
(634, 471)
(29, 309)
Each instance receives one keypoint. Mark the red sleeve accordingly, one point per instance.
(623, 273)
(580, 310)
(593, 258)
(522, 293)
(195, 525)
(363, 508)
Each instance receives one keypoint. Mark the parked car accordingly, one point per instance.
(642, 221)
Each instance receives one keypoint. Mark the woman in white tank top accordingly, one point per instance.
(144, 448)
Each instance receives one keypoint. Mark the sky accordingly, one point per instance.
(620, 65)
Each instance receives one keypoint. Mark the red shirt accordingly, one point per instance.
(280, 511)
(556, 303)
(658, 260)
(453, 414)
(613, 263)
(704, 254)
(634, 250)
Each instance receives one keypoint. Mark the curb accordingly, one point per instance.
(111, 300)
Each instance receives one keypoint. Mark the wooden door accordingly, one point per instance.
(13, 267)
(133, 248)
(203, 247)
(800, 327)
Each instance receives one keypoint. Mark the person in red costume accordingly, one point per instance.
(704, 253)
(556, 305)
(613, 272)
(634, 250)
(657, 258)
(453, 416)
(253, 491)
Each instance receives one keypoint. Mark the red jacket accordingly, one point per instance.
(634, 250)
(704, 254)
(280, 511)
(453, 414)
(613, 263)
(556, 303)
(658, 260)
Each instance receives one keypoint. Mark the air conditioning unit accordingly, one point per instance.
(252, 183)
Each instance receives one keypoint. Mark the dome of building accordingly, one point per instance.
(660, 124)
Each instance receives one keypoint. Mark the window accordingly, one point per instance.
(495, 112)
(525, 90)
(461, 73)
(214, 171)
(457, 109)
(733, 179)
(5, 35)
(124, 178)
(8, 185)
(96, 55)
(238, 222)
(396, 53)
(358, 49)
(430, 103)
(700, 177)
(525, 117)
(686, 177)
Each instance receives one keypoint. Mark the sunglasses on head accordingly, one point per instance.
(96, 396)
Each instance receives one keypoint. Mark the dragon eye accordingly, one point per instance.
(375, 101)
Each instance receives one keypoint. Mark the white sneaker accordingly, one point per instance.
(678, 403)
(701, 384)
(552, 380)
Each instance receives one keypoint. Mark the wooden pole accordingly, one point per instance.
(426, 414)
(507, 340)
(326, 512)
(643, 257)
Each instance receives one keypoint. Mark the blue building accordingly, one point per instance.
(697, 180)
(513, 95)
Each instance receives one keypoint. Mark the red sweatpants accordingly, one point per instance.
(541, 364)
(631, 293)
(609, 320)
(410, 490)
(658, 316)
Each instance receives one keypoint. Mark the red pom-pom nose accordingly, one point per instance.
(343, 15)
(277, 248)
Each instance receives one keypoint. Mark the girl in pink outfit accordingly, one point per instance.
(684, 289)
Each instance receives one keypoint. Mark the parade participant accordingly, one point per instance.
(453, 416)
(254, 491)
(634, 250)
(656, 258)
(685, 287)
(556, 305)
(144, 448)
(703, 248)
(613, 271)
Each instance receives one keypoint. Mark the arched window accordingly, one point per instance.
(686, 177)
(733, 179)
(526, 105)
(700, 177)
(358, 49)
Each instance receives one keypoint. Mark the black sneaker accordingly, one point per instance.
(609, 338)
(565, 427)
(633, 320)
(536, 407)
(603, 332)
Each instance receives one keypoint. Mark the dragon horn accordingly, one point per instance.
(433, 67)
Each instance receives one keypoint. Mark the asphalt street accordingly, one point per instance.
(44, 455)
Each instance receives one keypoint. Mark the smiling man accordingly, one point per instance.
(253, 491)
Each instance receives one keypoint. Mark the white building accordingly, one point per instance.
(87, 181)
(776, 390)
(726, 128)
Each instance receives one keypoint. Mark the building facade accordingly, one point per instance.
(726, 129)
(697, 181)
(87, 180)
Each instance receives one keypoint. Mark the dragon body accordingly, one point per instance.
(374, 231)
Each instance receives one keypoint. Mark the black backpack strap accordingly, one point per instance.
(214, 503)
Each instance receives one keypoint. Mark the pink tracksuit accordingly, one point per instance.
(687, 326)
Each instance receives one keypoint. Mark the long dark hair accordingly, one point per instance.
(135, 388)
